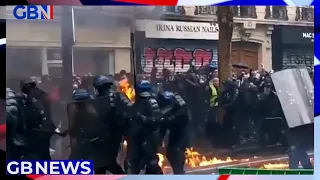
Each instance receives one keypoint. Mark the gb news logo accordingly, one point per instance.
(33, 12)
(54, 167)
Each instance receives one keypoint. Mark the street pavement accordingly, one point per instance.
(248, 163)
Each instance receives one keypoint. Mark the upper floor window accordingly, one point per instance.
(305, 13)
(276, 12)
(245, 11)
(205, 10)
(172, 9)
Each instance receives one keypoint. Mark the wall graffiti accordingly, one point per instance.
(176, 59)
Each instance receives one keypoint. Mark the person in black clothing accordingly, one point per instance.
(39, 126)
(81, 130)
(144, 136)
(16, 116)
(228, 99)
(115, 122)
(176, 120)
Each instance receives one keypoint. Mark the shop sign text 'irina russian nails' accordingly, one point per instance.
(181, 30)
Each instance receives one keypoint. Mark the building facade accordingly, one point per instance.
(190, 33)
(101, 46)
(252, 36)
(293, 45)
(174, 45)
(170, 38)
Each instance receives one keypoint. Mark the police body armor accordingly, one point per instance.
(16, 117)
(144, 137)
(176, 120)
(230, 94)
(40, 127)
(89, 129)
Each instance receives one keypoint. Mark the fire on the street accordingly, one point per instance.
(275, 166)
(195, 159)
(279, 165)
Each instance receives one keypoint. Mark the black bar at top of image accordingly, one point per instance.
(17, 2)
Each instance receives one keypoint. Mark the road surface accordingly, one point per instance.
(248, 163)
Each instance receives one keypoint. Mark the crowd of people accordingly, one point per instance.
(185, 107)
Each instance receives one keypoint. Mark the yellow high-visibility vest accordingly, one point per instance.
(214, 95)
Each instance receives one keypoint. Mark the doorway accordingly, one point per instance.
(245, 54)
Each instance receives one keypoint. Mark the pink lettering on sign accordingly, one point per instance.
(175, 59)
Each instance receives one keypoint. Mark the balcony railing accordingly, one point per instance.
(205, 10)
(276, 12)
(171, 9)
(245, 11)
(305, 14)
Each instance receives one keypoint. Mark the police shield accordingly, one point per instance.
(87, 115)
(295, 91)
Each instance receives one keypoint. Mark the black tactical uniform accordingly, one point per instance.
(81, 129)
(115, 122)
(39, 127)
(176, 120)
(144, 137)
(228, 100)
(16, 116)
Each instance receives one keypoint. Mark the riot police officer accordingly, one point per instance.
(176, 120)
(81, 129)
(39, 127)
(115, 125)
(228, 100)
(144, 137)
(15, 120)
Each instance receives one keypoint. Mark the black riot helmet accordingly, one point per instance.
(102, 83)
(81, 95)
(26, 85)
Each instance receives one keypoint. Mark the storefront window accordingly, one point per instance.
(22, 62)
(85, 60)
(55, 70)
(297, 58)
(94, 61)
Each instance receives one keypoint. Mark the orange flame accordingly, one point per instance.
(275, 166)
(280, 165)
(127, 89)
(195, 159)
(161, 159)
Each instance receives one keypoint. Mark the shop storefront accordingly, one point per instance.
(105, 50)
(292, 47)
(174, 45)
(37, 61)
